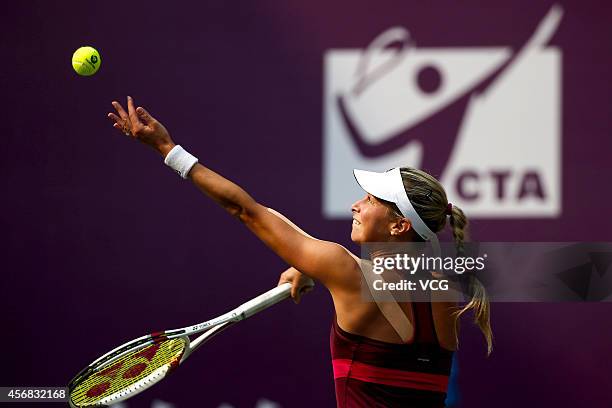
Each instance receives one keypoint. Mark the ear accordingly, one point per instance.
(400, 227)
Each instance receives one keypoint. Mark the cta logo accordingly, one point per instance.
(483, 120)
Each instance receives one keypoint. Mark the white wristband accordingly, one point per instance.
(180, 160)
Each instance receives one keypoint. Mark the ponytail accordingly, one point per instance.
(476, 292)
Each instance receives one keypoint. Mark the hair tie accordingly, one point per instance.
(449, 209)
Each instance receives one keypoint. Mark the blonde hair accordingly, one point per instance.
(429, 200)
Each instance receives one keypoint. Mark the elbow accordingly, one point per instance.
(235, 212)
(242, 207)
(246, 215)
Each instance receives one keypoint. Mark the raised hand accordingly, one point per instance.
(139, 124)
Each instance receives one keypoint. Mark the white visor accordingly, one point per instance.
(389, 186)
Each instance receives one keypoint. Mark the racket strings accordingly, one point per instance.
(131, 373)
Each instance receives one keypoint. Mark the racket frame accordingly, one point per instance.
(210, 327)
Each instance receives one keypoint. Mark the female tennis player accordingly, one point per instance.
(384, 354)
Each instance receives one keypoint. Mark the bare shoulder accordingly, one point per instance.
(347, 270)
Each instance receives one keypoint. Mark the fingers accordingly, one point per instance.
(120, 109)
(132, 111)
(144, 115)
(295, 291)
(283, 278)
(300, 284)
(120, 124)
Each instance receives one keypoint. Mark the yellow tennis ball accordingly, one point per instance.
(86, 61)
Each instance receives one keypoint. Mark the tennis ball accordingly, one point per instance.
(86, 61)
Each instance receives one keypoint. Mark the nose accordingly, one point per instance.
(355, 208)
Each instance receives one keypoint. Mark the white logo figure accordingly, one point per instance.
(486, 121)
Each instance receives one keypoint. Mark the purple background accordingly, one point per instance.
(86, 211)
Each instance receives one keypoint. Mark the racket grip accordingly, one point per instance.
(264, 301)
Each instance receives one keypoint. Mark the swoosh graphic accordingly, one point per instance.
(438, 142)
(432, 133)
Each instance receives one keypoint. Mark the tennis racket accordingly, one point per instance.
(141, 363)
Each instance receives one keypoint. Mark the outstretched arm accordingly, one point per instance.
(325, 261)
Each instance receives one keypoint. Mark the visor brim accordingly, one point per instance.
(380, 185)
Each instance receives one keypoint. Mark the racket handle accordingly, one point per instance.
(263, 301)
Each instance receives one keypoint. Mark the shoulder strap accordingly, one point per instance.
(391, 309)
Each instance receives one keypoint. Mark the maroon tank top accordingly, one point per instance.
(371, 373)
